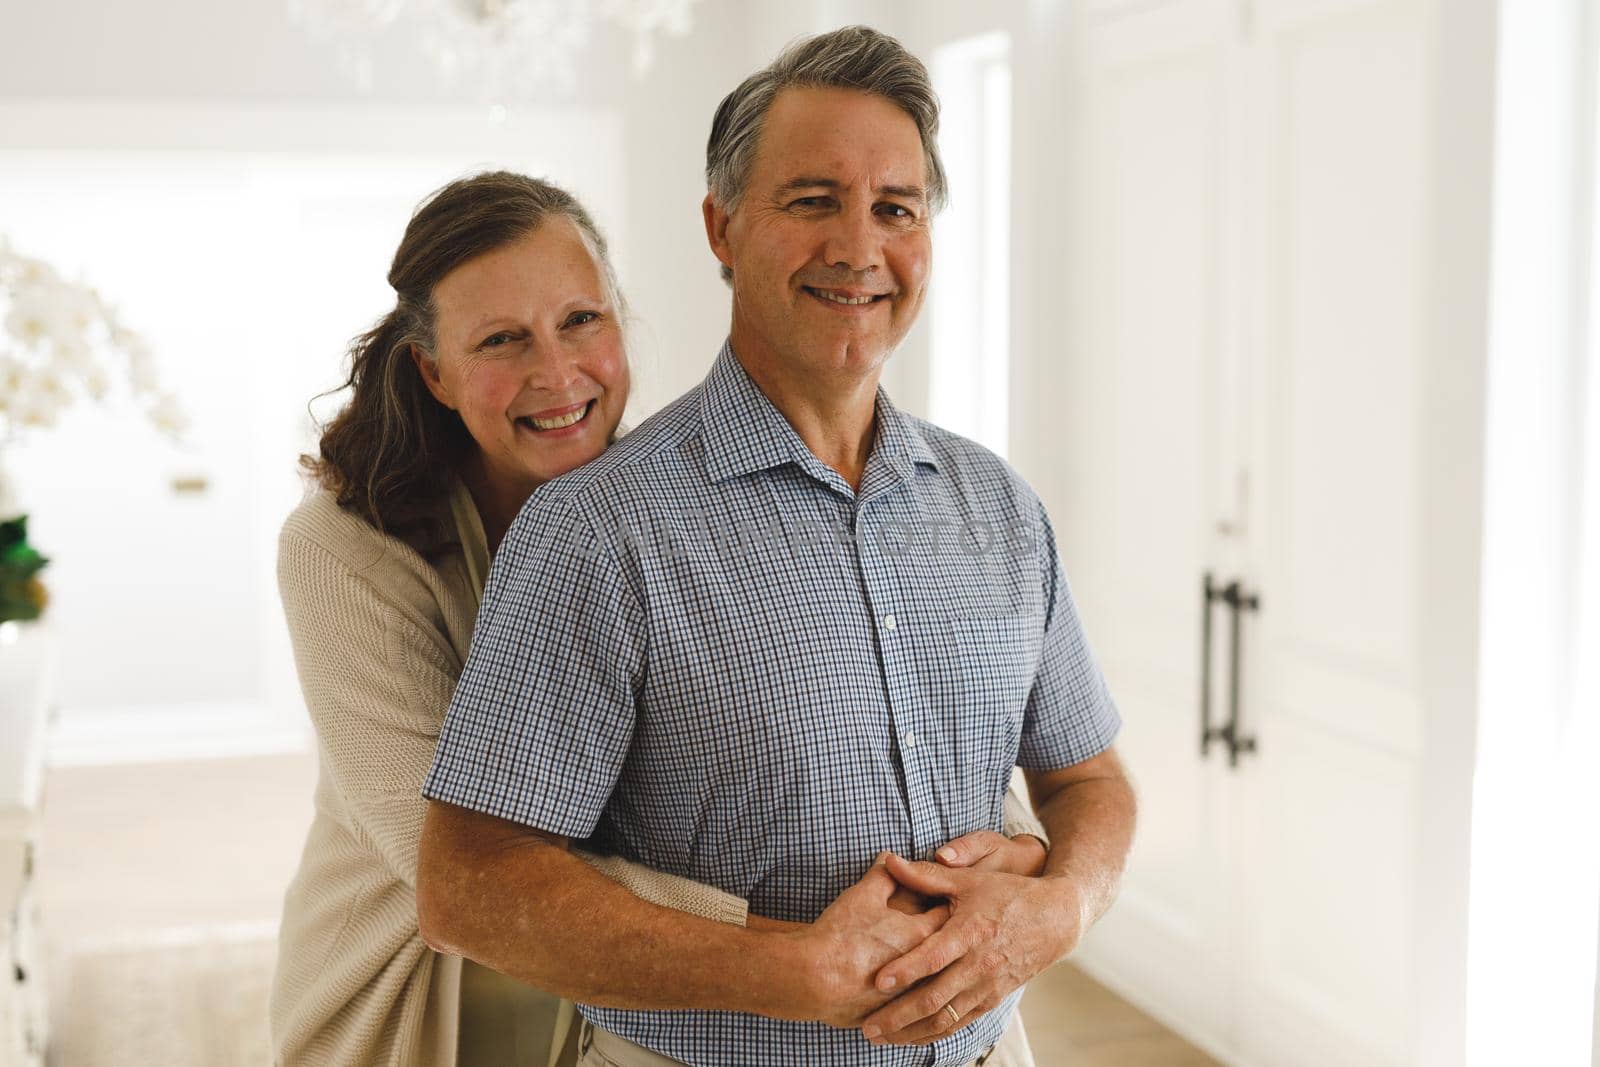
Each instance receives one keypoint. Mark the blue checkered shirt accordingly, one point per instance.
(705, 652)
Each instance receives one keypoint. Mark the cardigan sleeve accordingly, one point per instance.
(376, 685)
(1019, 816)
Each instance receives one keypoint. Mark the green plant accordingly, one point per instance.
(22, 594)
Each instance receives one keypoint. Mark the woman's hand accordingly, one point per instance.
(985, 850)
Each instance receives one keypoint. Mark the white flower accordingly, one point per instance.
(168, 416)
(41, 313)
(141, 366)
(73, 355)
(54, 387)
(28, 319)
(62, 333)
(96, 383)
(81, 308)
(36, 272)
(37, 401)
(11, 373)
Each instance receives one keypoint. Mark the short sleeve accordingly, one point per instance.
(1070, 716)
(543, 715)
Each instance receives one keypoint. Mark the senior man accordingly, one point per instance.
(672, 663)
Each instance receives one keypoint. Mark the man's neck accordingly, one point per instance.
(832, 413)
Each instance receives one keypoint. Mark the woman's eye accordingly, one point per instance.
(495, 340)
(579, 318)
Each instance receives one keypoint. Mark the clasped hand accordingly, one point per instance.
(910, 938)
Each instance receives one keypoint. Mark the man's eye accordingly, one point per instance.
(897, 211)
(808, 201)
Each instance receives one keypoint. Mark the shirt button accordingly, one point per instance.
(911, 740)
(888, 621)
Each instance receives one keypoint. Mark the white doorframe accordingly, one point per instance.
(1586, 687)
(1536, 835)
(1460, 195)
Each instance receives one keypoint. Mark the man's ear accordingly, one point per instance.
(430, 377)
(717, 230)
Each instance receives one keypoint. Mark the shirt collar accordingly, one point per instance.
(744, 431)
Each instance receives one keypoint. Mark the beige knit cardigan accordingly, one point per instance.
(380, 628)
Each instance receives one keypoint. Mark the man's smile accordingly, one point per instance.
(845, 299)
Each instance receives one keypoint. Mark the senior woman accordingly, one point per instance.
(501, 366)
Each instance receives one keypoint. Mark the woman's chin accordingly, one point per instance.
(551, 453)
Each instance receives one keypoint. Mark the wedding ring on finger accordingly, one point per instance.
(955, 1020)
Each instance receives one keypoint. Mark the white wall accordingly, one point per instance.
(187, 75)
(679, 303)
(245, 50)
(681, 306)
(1041, 49)
(1536, 815)
(226, 113)
(248, 246)
(243, 93)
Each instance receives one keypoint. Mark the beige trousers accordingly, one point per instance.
(598, 1048)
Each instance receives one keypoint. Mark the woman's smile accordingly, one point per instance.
(559, 422)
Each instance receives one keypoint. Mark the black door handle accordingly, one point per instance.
(1208, 597)
(1238, 601)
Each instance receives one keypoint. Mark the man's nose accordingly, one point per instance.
(854, 242)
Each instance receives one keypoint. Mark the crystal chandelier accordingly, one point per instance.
(513, 50)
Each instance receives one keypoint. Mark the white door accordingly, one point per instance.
(1340, 133)
(1247, 383)
(1147, 424)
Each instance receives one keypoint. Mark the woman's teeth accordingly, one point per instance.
(559, 421)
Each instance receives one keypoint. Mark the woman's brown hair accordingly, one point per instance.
(389, 454)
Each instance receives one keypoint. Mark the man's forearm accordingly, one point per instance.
(526, 907)
(1091, 824)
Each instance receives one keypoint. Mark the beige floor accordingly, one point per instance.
(1074, 1021)
(176, 871)
(159, 890)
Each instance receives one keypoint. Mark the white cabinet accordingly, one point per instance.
(1251, 308)
(22, 1009)
(27, 663)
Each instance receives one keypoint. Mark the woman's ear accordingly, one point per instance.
(430, 377)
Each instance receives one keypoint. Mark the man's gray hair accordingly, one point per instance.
(853, 57)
